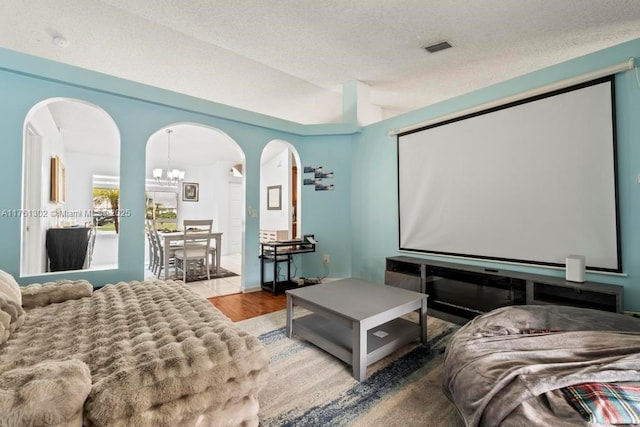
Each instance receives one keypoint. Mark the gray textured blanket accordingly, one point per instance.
(500, 369)
(157, 355)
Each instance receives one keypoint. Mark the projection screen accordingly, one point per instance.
(529, 182)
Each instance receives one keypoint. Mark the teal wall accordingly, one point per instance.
(139, 111)
(327, 213)
(356, 224)
(374, 214)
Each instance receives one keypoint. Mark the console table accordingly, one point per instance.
(277, 252)
(459, 292)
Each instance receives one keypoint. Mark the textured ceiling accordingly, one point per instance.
(290, 58)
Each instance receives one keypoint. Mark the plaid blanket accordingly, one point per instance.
(606, 403)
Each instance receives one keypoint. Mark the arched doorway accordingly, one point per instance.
(280, 175)
(71, 178)
(204, 182)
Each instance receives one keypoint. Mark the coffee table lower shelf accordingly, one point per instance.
(336, 339)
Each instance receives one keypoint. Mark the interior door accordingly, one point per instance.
(294, 201)
(235, 217)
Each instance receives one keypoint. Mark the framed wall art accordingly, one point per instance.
(274, 198)
(190, 191)
(58, 188)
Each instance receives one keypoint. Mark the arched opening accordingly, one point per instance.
(71, 178)
(280, 189)
(204, 181)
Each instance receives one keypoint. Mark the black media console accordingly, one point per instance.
(459, 292)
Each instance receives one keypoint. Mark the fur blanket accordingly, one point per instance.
(37, 295)
(506, 367)
(157, 354)
(11, 311)
(47, 394)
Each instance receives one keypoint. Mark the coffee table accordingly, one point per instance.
(357, 321)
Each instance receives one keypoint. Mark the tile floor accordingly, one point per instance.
(217, 287)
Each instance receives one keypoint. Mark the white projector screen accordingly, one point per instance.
(529, 182)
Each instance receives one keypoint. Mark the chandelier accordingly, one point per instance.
(174, 176)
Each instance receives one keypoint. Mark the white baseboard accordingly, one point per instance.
(332, 279)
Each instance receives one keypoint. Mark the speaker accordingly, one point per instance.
(575, 268)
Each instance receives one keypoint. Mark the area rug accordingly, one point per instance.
(220, 274)
(309, 387)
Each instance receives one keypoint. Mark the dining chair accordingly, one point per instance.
(159, 250)
(151, 245)
(156, 249)
(196, 248)
(91, 231)
(212, 253)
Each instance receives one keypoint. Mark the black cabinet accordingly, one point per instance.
(466, 294)
(459, 292)
(67, 247)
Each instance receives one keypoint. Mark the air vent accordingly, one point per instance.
(437, 47)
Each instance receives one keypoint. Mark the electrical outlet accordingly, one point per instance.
(325, 259)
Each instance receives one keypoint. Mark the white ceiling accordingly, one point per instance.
(85, 128)
(191, 144)
(88, 129)
(290, 58)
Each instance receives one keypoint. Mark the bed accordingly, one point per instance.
(147, 353)
(545, 365)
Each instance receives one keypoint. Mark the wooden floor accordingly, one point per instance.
(245, 306)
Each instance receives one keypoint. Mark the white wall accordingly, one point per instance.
(207, 206)
(52, 145)
(213, 198)
(275, 171)
(80, 170)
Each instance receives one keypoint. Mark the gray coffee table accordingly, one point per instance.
(357, 321)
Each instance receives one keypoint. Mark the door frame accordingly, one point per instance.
(32, 260)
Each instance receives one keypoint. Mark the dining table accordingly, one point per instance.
(176, 236)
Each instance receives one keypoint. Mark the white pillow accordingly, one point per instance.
(10, 288)
(5, 324)
(10, 305)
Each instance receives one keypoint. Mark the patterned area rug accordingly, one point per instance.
(309, 387)
(222, 273)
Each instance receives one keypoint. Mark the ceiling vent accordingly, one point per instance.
(437, 47)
